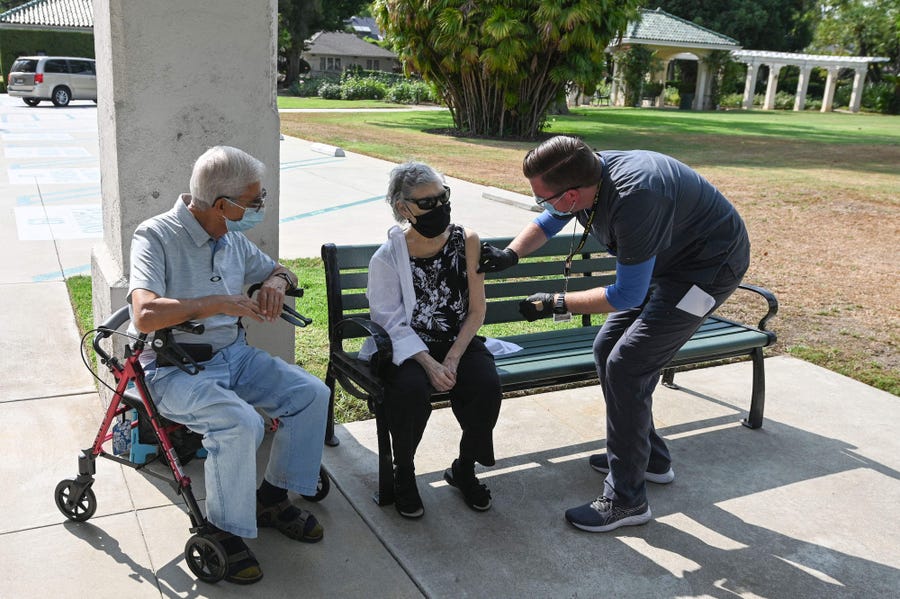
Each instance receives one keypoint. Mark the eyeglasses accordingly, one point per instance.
(258, 203)
(430, 203)
(541, 201)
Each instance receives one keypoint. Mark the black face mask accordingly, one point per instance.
(434, 222)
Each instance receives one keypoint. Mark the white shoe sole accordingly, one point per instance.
(635, 520)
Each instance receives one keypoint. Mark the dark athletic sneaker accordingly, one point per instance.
(476, 495)
(602, 515)
(600, 463)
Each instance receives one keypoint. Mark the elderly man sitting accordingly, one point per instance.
(191, 263)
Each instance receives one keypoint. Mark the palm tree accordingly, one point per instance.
(499, 65)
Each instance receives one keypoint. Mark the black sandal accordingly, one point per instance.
(243, 568)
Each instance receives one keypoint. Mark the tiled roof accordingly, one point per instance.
(345, 44)
(51, 13)
(661, 27)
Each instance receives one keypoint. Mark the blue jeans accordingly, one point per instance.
(220, 403)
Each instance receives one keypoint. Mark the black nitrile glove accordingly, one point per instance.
(493, 259)
(539, 305)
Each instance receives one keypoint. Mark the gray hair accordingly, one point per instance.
(405, 178)
(223, 171)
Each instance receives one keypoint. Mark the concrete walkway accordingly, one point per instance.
(805, 507)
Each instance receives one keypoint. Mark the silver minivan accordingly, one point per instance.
(59, 79)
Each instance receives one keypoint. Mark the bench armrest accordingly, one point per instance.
(770, 299)
(384, 353)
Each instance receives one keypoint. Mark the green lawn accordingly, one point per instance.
(316, 102)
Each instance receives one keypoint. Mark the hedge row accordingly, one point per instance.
(366, 86)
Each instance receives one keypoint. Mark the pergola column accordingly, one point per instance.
(859, 80)
(802, 86)
(700, 90)
(772, 86)
(750, 85)
(614, 86)
(660, 77)
(830, 85)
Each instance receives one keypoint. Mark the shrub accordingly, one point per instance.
(731, 100)
(409, 92)
(330, 91)
(883, 97)
(671, 96)
(784, 101)
(367, 88)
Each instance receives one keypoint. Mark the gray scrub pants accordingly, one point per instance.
(630, 351)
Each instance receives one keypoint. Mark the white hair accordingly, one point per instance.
(405, 178)
(223, 171)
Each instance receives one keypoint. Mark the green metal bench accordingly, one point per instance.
(552, 354)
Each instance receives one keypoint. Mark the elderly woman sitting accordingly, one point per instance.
(425, 291)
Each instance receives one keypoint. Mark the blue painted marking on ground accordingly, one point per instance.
(61, 162)
(69, 272)
(58, 196)
(288, 219)
(309, 162)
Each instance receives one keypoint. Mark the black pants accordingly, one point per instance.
(475, 400)
(630, 350)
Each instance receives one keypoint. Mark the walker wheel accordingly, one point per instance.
(78, 508)
(206, 558)
(322, 488)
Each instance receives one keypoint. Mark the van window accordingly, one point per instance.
(56, 66)
(81, 67)
(24, 65)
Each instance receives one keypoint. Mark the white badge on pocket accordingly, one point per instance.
(696, 302)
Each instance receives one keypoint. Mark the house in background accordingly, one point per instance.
(330, 52)
(51, 27)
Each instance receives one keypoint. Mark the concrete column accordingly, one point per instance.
(859, 80)
(750, 85)
(701, 90)
(174, 79)
(802, 85)
(772, 86)
(830, 85)
(614, 85)
(660, 77)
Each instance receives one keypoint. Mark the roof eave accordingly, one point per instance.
(674, 44)
(68, 28)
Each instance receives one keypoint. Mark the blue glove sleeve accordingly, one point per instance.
(632, 284)
(549, 224)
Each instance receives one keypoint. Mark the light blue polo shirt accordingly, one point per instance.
(173, 256)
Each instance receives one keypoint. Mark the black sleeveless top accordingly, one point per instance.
(442, 290)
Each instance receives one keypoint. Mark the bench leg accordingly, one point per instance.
(385, 493)
(758, 395)
(668, 378)
(330, 439)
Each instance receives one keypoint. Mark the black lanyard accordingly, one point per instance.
(587, 230)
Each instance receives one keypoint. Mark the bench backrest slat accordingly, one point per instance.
(346, 277)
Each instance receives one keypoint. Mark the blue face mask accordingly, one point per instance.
(549, 208)
(250, 220)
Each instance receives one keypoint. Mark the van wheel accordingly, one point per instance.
(61, 96)
(31, 101)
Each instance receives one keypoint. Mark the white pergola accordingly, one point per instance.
(806, 63)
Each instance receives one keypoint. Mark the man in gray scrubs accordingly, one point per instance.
(681, 249)
(192, 263)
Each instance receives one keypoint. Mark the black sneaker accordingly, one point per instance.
(600, 463)
(476, 495)
(406, 496)
(602, 515)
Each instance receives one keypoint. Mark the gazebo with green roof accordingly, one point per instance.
(672, 38)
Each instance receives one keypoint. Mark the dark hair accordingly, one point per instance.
(562, 162)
